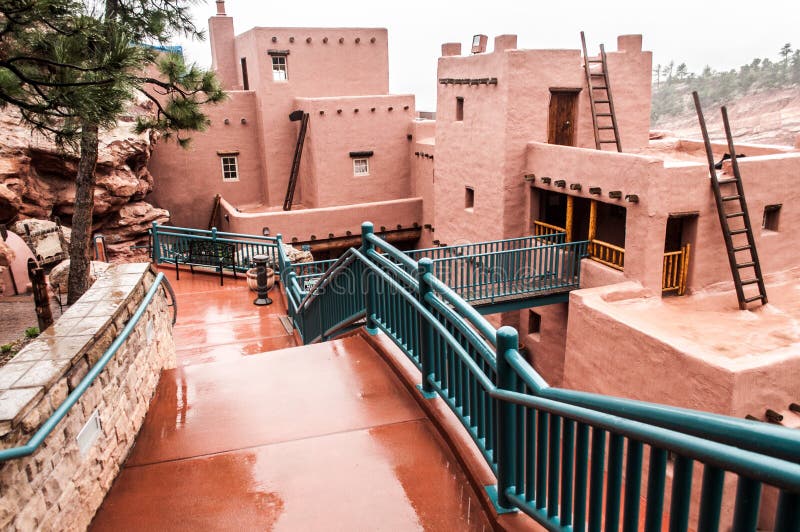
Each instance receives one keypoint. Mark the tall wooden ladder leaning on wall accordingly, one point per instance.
(298, 152)
(732, 210)
(604, 120)
(212, 220)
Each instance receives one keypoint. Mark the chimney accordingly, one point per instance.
(505, 42)
(451, 48)
(221, 7)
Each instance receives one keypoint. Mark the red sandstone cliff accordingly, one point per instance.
(770, 116)
(38, 181)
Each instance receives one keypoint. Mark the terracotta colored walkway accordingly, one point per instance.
(322, 437)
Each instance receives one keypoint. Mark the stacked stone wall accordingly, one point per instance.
(60, 486)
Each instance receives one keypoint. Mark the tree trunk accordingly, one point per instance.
(79, 260)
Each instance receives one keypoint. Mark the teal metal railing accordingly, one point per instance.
(61, 412)
(571, 460)
(172, 243)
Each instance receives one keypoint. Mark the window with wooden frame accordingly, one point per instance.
(360, 167)
(280, 71)
(230, 167)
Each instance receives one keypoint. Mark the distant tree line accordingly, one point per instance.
(673, 85)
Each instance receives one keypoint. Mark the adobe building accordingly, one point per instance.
(513, 151)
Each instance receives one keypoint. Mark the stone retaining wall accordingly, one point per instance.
(60, 486)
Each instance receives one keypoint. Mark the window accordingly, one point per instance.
(279, 72)
(469, 198)
(360, 167)
(230, 168)
(459, 108)
(245, 81)
(772, 214)
(534, 322)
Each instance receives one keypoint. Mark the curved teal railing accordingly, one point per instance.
(55, 418)
(571, 460)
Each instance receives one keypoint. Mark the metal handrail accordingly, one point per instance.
(55, 418)
(457, 364)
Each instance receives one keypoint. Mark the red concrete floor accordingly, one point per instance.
(322, 437)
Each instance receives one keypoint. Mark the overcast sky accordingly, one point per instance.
(722, 34)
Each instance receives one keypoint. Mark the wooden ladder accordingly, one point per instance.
(298, 152)
(212, 220)
(731, 206)
(603, 118)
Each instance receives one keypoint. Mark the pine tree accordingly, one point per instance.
(71, 72)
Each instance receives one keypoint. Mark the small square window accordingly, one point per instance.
(279, 72)
(230, 168)
(534, 322)
(459, 108)
(469, 198)
(772, 215)
(360, 167)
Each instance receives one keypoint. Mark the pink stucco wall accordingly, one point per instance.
(487, 150)
(677, 187)
(319, 223)
(338, 126)
(223, 51)
(347, 68)
(188, 179)
(422, 153)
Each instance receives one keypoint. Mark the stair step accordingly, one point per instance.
(741, 248)
(734, 214)
(601, 101)
(750, 281)
(608, 142)
(754, 298)
(600, 88)
(746, 265)
(731, 198)
(594, 60)
(726, 181)
(603, 114)
(739, 231)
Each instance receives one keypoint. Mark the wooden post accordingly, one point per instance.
(41, 298)
(592, 220)
(569, 218)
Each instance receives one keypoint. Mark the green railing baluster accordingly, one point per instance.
(681, 494)
(581, 476)
(633, 486)
(596, 479)
(367, 230)
(553, 467)
(519, 478)
(567, 470)
(530, 456)
(656, 480)
(506, 468)
(748, 498)
(156, 251)
(541, 458)
(616, 446)
(711, 498)
(787, 517)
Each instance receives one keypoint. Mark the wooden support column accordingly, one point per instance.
(592, 220)
(569, 218)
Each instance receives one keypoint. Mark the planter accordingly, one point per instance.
(252, 279)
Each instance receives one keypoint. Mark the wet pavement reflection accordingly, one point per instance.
(251, 433)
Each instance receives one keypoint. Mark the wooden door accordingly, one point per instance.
(561, 126)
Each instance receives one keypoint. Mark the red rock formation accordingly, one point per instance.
(37, 181)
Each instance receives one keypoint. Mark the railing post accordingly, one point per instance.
(507, 340)
(156, 251)
(367, 229)
(426, 354)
